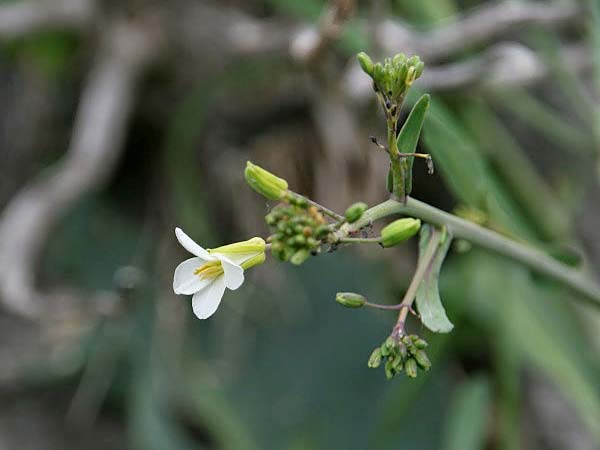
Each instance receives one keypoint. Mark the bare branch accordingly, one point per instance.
(95, 146)
(482, 25)
(505, 64)
(19, 18)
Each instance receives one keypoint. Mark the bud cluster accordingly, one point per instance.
(298, 229)
(406, 353)
(392, 79)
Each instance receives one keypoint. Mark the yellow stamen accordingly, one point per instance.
(210, 270)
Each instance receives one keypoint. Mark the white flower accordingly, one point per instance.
(211, 271)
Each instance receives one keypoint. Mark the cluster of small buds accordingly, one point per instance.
(392, 79)
(406, 353)
(298, 229)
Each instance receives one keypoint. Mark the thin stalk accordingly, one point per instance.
(323, 209)
(388, 307)
(485, 238)
(346, 240)
(396, 162)
(422, 269)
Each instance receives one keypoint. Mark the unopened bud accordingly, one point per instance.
(410, 367)
(254, 245)
(375, 358)
(299, 257)
(399, 231)
(422, 359)
(366, 63)
(264, 182)
(254, 261)
(350, 299)
(355, 212)
(389, 369)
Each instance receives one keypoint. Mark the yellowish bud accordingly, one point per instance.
(264, 182)
(255, 261)
(253, 245)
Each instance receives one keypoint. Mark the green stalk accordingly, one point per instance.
(396, 162)
(485, 238)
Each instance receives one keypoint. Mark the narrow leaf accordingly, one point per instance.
(409, 136)
(468, 415)
(433, 314)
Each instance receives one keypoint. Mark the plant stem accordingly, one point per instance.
(483, 237)
(422, 268)
(346, 240)
(323, 209)
(395, 160)
(380, 306)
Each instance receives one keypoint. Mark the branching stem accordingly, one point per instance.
(422, 269)
(485, 238)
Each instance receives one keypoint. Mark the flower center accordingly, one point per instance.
(209, 270)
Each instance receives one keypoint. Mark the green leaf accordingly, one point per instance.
(409, 136)
(433, 314)
(468, 416)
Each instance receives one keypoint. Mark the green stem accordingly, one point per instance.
(483, 237)
(422, 269)
(396, 160)
(346, 240)
(323, 209)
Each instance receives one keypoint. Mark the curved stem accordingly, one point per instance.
(485, 238)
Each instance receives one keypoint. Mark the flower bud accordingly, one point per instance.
(389, 369)
(254, 261)
(375, 358)
(366, 63)
(422, 359)
(264, 182)
(399, 230)
(355, 212)
(410, 367)
(254, 245)
(299, 257)
(350, 299)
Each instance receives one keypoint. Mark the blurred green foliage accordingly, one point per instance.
(284, 368)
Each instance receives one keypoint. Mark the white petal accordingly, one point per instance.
(184, 280)
(237, 258)
(232, 273)
(189, 244)
(206, 301)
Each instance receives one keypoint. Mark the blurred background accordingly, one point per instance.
(123, 119)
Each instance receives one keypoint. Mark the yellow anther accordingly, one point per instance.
(211, 269)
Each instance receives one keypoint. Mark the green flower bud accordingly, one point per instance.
(422, 359)
(299, 257)
(264, 182)
(398, 363)
(355, 211)
(400, 230)
(420, 343)
(399, 59)
(350, 299)
(254, 261)
(375, 358)
(410, 367)
(389, 369)
(366, 63)
(385, 351)
(379, 75)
